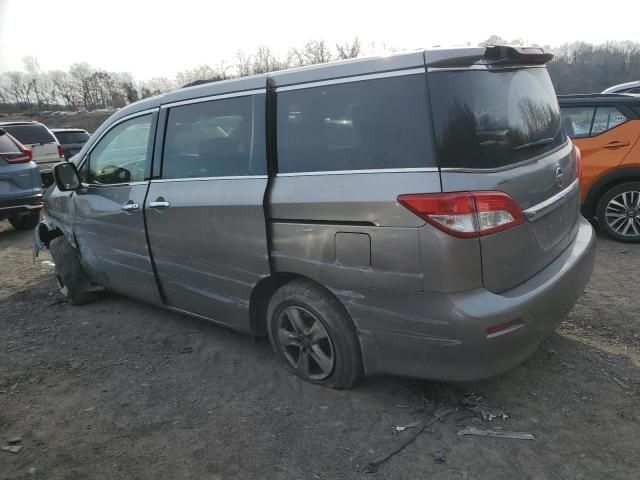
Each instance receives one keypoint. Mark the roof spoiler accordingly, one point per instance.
(494, 55)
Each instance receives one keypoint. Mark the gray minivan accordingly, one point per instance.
(415, 215)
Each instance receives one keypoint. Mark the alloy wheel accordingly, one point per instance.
(305, 343)
(623, 213)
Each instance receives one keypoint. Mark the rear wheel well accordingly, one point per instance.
(261, 295)
(591, 203)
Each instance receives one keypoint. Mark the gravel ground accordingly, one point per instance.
(119, 389)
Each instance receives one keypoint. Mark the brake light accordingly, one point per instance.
(60, 151)
(579, 167)
(466, 214)
(25, 156)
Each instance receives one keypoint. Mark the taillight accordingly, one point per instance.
(466, 214)
(60, 151)
(579, 169)
(25, 156)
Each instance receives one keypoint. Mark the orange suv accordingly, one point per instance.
(606, 129)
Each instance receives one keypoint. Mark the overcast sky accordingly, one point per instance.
(158, 38)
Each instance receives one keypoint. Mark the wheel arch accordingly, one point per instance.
(262, 293)
(607, 182)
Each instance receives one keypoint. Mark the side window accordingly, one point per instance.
(215, 139)
(577, 121)
(360, 125)
(607, 118)
(121, 155)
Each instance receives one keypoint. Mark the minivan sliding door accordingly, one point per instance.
(205, 215)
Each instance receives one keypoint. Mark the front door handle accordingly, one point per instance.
(616, 144)
(130, 206)
(159, 203)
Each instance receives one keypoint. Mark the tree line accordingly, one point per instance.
(578, 67)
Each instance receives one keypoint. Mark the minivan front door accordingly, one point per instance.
(205, 215)
(108, 211)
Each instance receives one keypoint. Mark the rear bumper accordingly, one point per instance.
(20, 205)
(444, 336)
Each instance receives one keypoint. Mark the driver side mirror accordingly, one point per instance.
(66, 177)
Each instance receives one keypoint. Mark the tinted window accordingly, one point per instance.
(121, 155)
(577, 121)
(353, 126)
(7, 145)
(30, 134)
(215, 139)
(489, 119)
(72, 137)
(607, 118)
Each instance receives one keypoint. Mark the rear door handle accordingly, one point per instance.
(159, 203)
(616, 144)
(130, 206)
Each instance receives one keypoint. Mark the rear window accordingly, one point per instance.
(7, 145)
(372, 124)
(30, 134)
(72, 137)
(492, 119)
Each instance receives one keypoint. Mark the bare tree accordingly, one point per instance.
(32, 69)
(243, 65)
(349, 50)
(265, 61)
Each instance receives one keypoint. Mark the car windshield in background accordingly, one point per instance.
(72, 137)
(492, 119)
(30, 134)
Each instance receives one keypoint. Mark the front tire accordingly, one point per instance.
(314, 336)
(74, 285)
(25, 222)
(618, 212)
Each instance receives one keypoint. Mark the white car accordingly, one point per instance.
(47, 151)
(630, 87)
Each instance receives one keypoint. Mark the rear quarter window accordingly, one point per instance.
(30, 134)
(370, 124)
(492, 119)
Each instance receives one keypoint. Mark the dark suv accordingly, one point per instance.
(71, 139)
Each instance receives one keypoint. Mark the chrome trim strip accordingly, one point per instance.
(551, 203)
(482, 66)
(357, 78)
(200, 179)
(244, 93)
(354, 172)
(28, 207)
(106, 185)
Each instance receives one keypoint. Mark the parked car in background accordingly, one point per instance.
(20, 184)
(46, 149)
(630, 87)
(606, 128)
(364, 222)
(71, 139)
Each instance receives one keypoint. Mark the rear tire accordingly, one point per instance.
(25, 222)
(618, 212)
(314, 336)
(74, 285)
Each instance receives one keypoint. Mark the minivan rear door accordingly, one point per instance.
(205, 215)
(499, 129)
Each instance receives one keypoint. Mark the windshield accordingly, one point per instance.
(492, 119)
(72, 137)
(30, 134)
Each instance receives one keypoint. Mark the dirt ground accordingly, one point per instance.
(119, 389)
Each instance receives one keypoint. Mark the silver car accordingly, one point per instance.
(414, 215)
